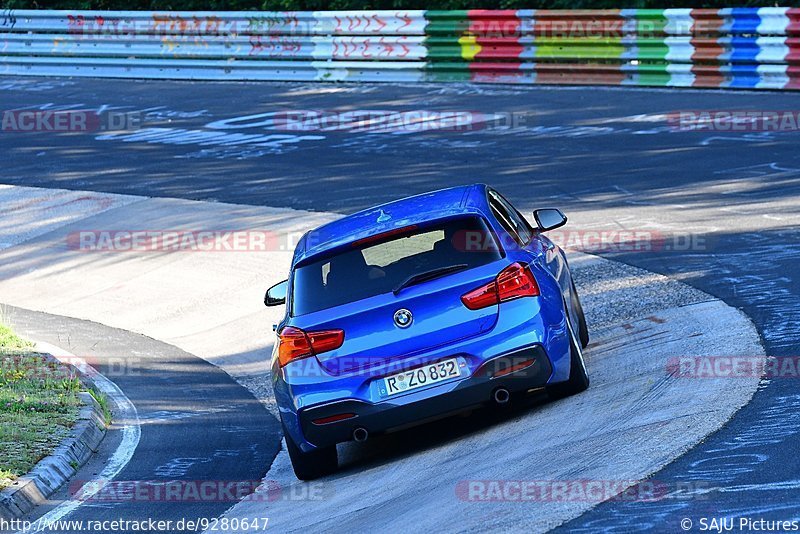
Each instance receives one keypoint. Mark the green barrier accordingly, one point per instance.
(579, 48)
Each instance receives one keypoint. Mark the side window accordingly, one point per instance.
(510, 218)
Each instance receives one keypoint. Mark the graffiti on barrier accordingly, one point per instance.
(277, 24)
(274, 45)
(7, 18)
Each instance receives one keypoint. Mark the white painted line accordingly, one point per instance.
(131, 433)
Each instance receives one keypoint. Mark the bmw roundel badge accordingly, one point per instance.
(403, 318)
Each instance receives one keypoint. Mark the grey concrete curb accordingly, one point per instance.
(53, 471)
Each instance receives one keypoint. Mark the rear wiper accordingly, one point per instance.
(429, 275)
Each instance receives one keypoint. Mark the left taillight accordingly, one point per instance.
(295, 344)
(513, 282)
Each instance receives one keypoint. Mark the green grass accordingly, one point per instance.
(38, 405)
(9, 341)
(102, 401)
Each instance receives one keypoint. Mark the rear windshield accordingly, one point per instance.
(378, 266)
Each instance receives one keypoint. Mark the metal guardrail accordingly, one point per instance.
(739, 47)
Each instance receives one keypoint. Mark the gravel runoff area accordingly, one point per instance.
(604, 287)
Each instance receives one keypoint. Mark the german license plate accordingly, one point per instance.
(422, 376)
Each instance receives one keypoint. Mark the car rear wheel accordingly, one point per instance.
(583, 329)
(310, 465)
(578, 377)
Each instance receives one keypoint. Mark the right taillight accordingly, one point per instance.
(516, 281)
(513, 282)
(294, 344)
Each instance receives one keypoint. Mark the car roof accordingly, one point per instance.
(418, 209)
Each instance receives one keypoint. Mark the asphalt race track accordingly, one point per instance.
(608, 157)
(178, 397)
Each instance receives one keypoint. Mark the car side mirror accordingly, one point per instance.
(276, 295)
(549, 218)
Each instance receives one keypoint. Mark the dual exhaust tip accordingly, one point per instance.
(500, 396)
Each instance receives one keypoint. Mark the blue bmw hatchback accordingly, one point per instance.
(419, 309)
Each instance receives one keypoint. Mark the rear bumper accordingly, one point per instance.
(429, 403)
